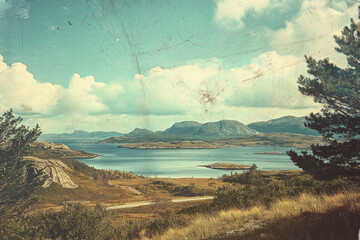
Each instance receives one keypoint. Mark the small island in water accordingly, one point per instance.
(227, 166)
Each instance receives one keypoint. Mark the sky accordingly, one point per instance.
(105, 65)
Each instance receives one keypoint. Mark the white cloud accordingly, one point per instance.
(270, 80)
(311, 31)
(230, 13)
(175, 90)
(23, 93)
(82, 95)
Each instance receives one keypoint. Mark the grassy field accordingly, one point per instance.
(156, 210)
(120, 191)
(304, 217)
(283, 205)
(137, 189)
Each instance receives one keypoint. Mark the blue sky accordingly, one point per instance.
(116, 65)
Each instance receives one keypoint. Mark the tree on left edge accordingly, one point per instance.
(18, 178)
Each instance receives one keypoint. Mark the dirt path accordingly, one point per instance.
(138, 204)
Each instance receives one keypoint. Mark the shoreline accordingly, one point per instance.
(174, 145)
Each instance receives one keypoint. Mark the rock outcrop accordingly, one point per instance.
(47, 150)
(54, 169)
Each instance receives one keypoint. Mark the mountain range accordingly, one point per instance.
(228, 128)
(192, 130)
(187, 130)
(79, 134)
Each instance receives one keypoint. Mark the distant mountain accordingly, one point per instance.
(141, 132)
(187, 130)
(289, 124)
(225, 128)
(183, 128)
(80, 134)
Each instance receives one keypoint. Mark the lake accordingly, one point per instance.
(179, 162)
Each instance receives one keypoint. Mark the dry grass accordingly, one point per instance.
(91, 192)
(199, 182)
(154, 211)
(214, 226)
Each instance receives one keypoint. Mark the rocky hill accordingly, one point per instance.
(289, 124)
(225, 128)
(183, 128)
(141, 132)
(48, 156)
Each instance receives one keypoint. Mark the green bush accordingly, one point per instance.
(72, 222)
(252, 177)
(97, 174)
(166, 221)
(243, 196)
(184, 191)
(77, 221)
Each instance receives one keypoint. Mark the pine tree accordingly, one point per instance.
(339, 120)
(18, 178)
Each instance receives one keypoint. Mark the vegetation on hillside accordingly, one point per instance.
(183, 190)
(77, 221)
(72, 222)
(97, 174)
(260, 193)
(18, 179)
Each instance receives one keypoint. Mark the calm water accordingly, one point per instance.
(179, 162)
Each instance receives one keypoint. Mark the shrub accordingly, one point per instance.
(75, 221)
(184, 191)
(240, 196)
(252, 177)
(166, 221)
